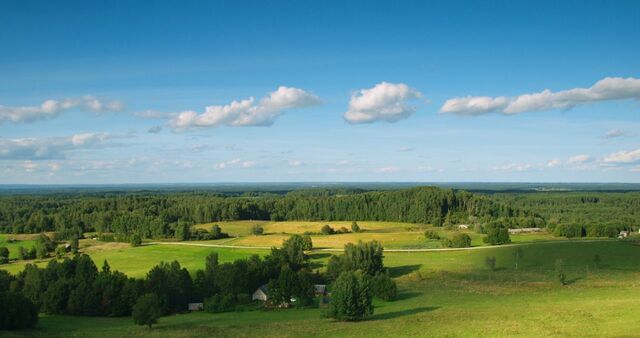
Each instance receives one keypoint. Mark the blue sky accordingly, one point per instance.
(143, 92)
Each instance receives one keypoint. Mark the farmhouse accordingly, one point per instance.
(463, 226)
(260, 293)
(320, 289)
(195, 306)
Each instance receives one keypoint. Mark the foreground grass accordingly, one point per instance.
(441, 294)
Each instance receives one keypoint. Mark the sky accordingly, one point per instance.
(101, 92)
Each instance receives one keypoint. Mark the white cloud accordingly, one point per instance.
(579, 159)
(613, 133)
(607, 89)
(29, 166)
(52, 108)
(247, 112)
(234, 163)
(554, 163)
(295, 163)
(52, 147)
(623, 157)
(515, 167)
(387, 170)
(384, 102)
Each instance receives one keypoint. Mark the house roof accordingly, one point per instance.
(264, 288)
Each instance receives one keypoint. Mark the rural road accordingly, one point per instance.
(386, 250)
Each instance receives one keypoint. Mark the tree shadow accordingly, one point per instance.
(406, 295)
(396, 314)
(573, 280)
(398, 271)
(319, 255)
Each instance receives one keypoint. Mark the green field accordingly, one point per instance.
(442, 293)
(15, 243)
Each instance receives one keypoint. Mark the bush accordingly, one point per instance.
(136, 240)
(257, 230)
(431, 234)
(559, 270)
(219, 303)
(355, 227)
(146, 311)
(61, 251)
(497, 236)
(4, 255)
(490, 262)
(17, 312)
(350, 298)
(457, 241)
(569, 230)
(384, 287)
(327, 230)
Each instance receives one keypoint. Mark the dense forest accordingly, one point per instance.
(158, 214)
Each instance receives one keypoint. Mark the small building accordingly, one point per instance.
(463, 226)
(320, 289)
(623, 234)
(195, 306)
(261, 293)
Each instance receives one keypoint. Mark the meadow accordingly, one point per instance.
(450, 293)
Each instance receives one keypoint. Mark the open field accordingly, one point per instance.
(25, 241)
(441, 294)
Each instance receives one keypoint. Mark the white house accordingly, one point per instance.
(195, 306)
(260, 293)
(463, 226)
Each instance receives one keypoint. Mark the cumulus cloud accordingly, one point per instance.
(579, 159)
(384, 102)
(554, 163)
(52, 108)
(623, 157)
(234, 163)
(51, 147)
(607, 89)
(247, 112)
(613, 133)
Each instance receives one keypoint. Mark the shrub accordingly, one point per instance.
(355, 227)
(146, 311)
(350, 298)
(497, 236)
(219, 303)
(327, 230)
(559, 270)
(490, 262)
(257, 230)
(4, 255)
(136, 240)
(431, 234)
(384, 287)
(457, 241)
(61, 251)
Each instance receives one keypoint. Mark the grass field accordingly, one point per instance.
(441, 294)
(25, 241)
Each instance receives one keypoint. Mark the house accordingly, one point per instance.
(195, 306)
(320, 289)
(261, 293)
(623, 234)
(463, 226)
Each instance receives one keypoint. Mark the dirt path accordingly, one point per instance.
(387, 250)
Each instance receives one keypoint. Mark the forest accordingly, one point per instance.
(158, 214)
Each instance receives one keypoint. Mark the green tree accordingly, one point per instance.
(490, 262)
(350, 298)
(4, 255)
(136, 240)
(327, 230)
(518, 254)
(384, 287)
(146, 311)
(431, 234)
(497, 236)
(355, 227)
(559, 270)
(182, 231)
(17, 312)
(61, 251)
(74, 244)
(257, 230)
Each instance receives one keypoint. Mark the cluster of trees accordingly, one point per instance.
(458, 240)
